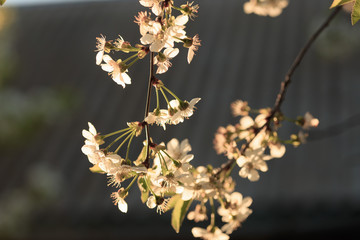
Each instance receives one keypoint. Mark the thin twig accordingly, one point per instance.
(151, 76)
(284, 86)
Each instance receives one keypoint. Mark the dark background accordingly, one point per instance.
(50, 88)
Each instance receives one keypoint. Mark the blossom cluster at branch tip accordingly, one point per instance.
(273, 8)
(158, 35)
(176, 113)
(253, 142)
(163, 172)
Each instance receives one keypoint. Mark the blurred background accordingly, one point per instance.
(50, 88)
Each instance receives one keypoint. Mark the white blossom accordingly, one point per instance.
(198, 185)
(183, 110)
(310, 121)
(251, 162)
(160, 117)
(158, 202)
(101, 42)
(155, 5)
(208, 234)
(239, 108)
(199, 213)
(273, 8)
(92, 136)
(162, 60)
(114, 70)
(119, 197)
(179, 152)
(236, 211)
(277, 150)
(195, 43)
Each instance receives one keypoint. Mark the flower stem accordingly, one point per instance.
(157, 99)
(172, 159)
(147, 183)
(164, 163)
(117, 139)
(114, 133)
(171, 93)
(132, 63)
(132, 182)
(124, 142)
(166, 99)
(129, 58)
(128, 147)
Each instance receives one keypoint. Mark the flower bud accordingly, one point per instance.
(99, 139)
(136, 126)
(188, 42)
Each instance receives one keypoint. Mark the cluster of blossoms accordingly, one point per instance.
(171, 181)
(258, 138)
(158, 36)
(177, 109)
(273, 8)
(163, 172)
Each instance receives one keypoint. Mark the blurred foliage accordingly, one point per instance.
(22, 114)
(338, 43)
(7, 58)
(20, 207)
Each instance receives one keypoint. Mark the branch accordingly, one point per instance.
(151, 76)
(284, 85)
(283, 88)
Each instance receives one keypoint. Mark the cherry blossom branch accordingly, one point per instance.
(284, 85)
(147, 133)
(281, 95)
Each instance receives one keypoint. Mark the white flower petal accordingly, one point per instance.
(171, 52)
(126, 79)
(99, 57)
(277, 150)
(147, 39)
(253, 175)
(157, 45)
(122, 205)
(246, 122)
(107, 67)
(181, 20)
(92, 129)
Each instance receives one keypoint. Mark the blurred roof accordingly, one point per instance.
(314, 188)
(21, 3)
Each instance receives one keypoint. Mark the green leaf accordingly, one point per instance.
(340, 2)
(355, 15)
(2, 2)
(96, 169)
(173, 200)
(144, 190)
(142, 157)
(178, 214)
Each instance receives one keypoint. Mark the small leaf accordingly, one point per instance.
(355, 15)
(340, 2)
(96, 169)
(2, 2)
(178, 214)
(173, 200)
(144, 190)
(142, 157)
